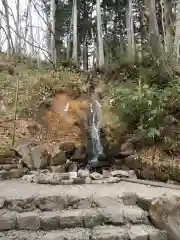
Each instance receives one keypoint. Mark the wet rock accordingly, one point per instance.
(120, 173)
(67, 147)
(79, 154)
(164, 213)
(40, 157)
(58, 157)
(96, 176)
(16, 173)
(83, 173)
(73, 167)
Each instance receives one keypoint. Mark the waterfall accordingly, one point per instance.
(95, 125)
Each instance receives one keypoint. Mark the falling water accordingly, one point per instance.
(95, 126)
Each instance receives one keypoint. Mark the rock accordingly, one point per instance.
(71, 219)
(24, 150)
(79, 154)
(135, 215)
(132, 174)
(127, 149)
(161, 176)
(2, 201)
(50, 221)
(79, 181)
(120, 173)
(106, 174)
(73, 167)
(88, 180)
(96, 176)
(133, 162)
(112, 180)
(93, 218)
(16, 173)
(3, 175)
(147, 174)
(155, 234)
(129, 198)
(138, 233)
(40, 157)
(106, 201)
(58, 157)
(69, 234)
(144, 202)
(8, 166)
(109, 233)
(67, 147)
(67, 182)
(7, 221)
(57, 169)
(164, 212)
(51, 203)
(28, 178)
(114, 215)
(28, 221)
(83, 173)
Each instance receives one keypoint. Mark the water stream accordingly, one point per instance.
(95, 123)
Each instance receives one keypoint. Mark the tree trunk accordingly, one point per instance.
(130, 32)
(85, 54)
(75, 41)
(69, 39)
(31, 30)
(177, 32)
(100, 47)
(52, 20)
(168, 25)
(17, 37)
(154, 36)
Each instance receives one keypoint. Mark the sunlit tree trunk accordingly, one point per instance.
(17, 36)
(100, 48)
(168, 25)
(75, 41)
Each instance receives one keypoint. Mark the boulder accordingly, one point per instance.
(16, 173)
(79, 154)
(40, 157)
(164, 213)
(68, 147)
(58, 157)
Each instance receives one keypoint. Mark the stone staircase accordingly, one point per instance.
(65, 216)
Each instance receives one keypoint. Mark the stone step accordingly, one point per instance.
(84, 218)
(65, 201)
(137, 232)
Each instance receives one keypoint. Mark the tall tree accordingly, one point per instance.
(75, 41)
(52, 21)
(100, 47)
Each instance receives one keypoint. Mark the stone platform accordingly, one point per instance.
(78, 212)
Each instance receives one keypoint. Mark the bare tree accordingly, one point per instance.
(52, 21)
(10, 47)
(17, 39)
